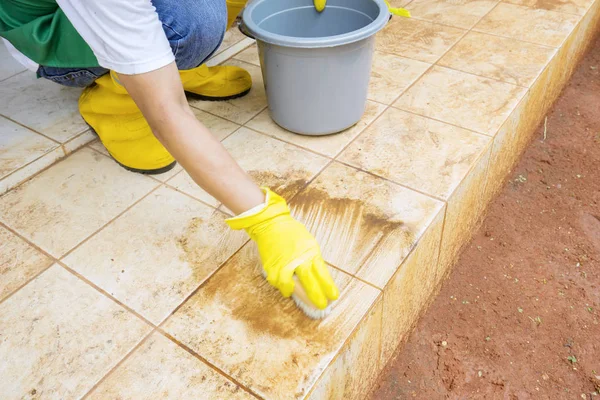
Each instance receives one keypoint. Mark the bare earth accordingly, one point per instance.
(519, 316)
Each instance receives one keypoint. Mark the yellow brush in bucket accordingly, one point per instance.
(401, 12)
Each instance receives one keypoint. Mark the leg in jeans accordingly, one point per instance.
(194, 28)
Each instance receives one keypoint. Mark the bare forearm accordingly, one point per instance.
(162, 101)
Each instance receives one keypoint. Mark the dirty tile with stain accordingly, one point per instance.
(160, 368)
(250, 55)
(578, 7)
(243, 109)
(391, 75)
(153, 256)
(461, 99)
(60, 336)
(65, 204)
(504, 59)
(20, 146)
(418, 152)
(543, 27)
(364, 224)
(419, 40)
(42, 105)
(242, 325)
(19, 262)
(329, 145)
(462, 14)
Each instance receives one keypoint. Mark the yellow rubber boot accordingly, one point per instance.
(234, 8)
(216, 83)
(123, 130)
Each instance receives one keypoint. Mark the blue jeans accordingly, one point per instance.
(194, 28)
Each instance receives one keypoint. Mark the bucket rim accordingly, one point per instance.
(365, 32)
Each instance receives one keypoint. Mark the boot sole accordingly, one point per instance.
(156, 171)
(210, 98)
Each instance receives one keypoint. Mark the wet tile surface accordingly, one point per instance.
(161, 368)
(19, 262)
(391, 75)
(365, 225)
(423, 154)
(153, 256)
(42, 105)
(243, 109)
(243, 326)
(68, 202)
(462, 14)
(329, 145)
(60, 336)
(419, 40)
(494, 57)
(19, 146)
(452, 96)
(536, 26)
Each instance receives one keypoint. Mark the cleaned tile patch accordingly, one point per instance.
(418, 152)
(19, 262)
(462, 14)
(536, 26)
(8, 65)
(462, 99)
(420, 40)
(161, 368)
(329, 145)
(238, 322)
(42, 105)
(495, 57)
(391, 75)
(365, 225)
(60, 336)
(20, 146)
(21, 175)
(153, 256)
(69, 201)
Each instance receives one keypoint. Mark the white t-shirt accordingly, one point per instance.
(126, 36)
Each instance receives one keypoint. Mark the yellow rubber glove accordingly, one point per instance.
(287, 248)
(320, 5)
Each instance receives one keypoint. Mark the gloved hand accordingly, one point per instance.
(319, 4)
(287, 248)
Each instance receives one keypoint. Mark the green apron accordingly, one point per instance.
(41, 31)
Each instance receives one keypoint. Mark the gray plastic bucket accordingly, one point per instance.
(316, 66)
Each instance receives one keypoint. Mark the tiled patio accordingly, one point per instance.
(119, 285)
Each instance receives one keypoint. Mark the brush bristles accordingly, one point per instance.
(309, 310)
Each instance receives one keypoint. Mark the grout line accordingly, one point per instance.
(86, 239)
(206, 362)
(33, 130)
(118, 364)
(354, 276)
(16, 73)
(34, 161)
(288, 143)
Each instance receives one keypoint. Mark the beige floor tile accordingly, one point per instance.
(391, 75)
(465, 208)
(329, 145)
(219, 127)
(462, 99)
(462, 14)
(161, 369)
(243, 109)
(420, 40)
(8, 65)
(60, 336)
(365, 225)
(250, 55)
(20, 146)
(24, 173)
(185, 184)
(153, 256)
(411, 288)
(578, 7)
(504, 59)
(356, 368)
(79, 141)
(238, 322)
(418, 152)
(536, 26)
(42, 105)
(19, 262)
(280, 166)
(232, 37)
(66, 203)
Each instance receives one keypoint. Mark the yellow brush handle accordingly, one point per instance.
(401, 12)
(320, 4)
